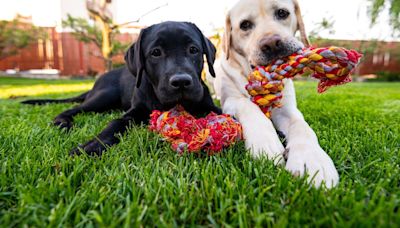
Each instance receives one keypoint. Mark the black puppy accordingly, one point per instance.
(163, 69)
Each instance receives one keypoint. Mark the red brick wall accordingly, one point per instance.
(63, 52)
(39, 55)
(387, 58)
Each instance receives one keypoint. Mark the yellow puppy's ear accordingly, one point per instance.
(300, 24)
(226, 41)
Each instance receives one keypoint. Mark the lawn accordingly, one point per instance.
(142, 181)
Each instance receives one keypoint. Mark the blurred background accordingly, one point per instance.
(78, 38)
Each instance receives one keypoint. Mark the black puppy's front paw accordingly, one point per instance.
(92, 148)
(63, 122)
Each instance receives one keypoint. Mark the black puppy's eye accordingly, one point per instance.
(193, 50)
(156, 52)
(246, 25)
(281, 14)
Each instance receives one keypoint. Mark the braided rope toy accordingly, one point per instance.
(186, 133)
(331, 65)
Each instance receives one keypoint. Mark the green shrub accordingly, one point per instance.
(387, 76)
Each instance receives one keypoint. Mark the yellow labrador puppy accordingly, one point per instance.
(256, 32)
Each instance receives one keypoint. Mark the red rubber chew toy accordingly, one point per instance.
(331, 65)
(186, 133)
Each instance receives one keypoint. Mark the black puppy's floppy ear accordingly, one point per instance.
(134, 59)
(210, 54)
(208, 49)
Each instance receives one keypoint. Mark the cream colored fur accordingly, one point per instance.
(240, 51)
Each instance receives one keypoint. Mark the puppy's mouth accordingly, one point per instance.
(262, 57)
(190, 97)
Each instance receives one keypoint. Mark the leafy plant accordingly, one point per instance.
(16, 35)
(387, 76)
(89, 32)
(325, 25)
(394, 12)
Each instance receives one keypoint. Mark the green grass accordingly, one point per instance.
(142, 181)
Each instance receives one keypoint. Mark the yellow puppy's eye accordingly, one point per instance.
(246, 25)
(282, 14)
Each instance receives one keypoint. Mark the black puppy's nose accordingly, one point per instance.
(181, 81)
(271, 43)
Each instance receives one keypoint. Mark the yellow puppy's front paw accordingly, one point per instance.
(265, 144)
(313, 161)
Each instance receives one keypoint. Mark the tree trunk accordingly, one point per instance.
(102, 17)
(106, 45)
(108, 63)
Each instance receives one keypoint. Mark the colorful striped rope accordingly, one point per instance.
(331, 65)
(187, 134)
